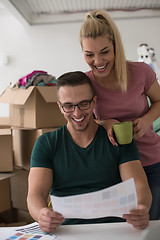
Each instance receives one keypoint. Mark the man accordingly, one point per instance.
(79, 158)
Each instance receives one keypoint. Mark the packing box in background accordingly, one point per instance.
(13, 204)
(19, 189)
(23, 142)
(5, 199)
(6, 151)
(15, 217)
(34, 107)
(4, 122)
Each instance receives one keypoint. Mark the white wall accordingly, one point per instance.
(56, 49)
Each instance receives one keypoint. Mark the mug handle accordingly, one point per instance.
(133, 124)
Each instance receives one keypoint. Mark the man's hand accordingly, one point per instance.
(49, 220)
(139, 218)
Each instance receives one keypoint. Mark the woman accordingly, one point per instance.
(122, 88)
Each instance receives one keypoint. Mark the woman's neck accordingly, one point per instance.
(110, 82)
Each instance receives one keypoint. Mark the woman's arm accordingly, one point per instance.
(108, 125)
(139, 218)
(143, 123)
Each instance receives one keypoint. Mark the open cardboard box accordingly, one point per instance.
(34, 107)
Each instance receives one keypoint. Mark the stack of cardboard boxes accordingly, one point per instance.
(6, 164)
(33, 111)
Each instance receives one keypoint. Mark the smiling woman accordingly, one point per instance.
(122, 88)
(99, 55)
(100, 38)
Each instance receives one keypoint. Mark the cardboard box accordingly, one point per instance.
(22, 215)
(6, 152)
(34, 107)
(19, 190)
(5, 199)
(4, 122)
(9, 174)
(15, 217)
(23, 142)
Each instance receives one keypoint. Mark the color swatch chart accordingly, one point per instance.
(28, 232)
(113, 201)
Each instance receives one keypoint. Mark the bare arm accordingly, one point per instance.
(143, 123)
(139, 218)
(39, 185)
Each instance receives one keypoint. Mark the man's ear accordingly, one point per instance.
(60, 108)
(95, 99)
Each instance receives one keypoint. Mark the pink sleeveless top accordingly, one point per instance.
(129, 106)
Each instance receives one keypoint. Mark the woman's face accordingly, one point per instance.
(99, 55)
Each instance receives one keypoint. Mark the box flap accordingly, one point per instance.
(16, 96)
(9, 175)
(49, 93)
(6, 131)
(4, 121)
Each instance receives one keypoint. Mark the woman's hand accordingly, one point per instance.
(140, 127)
(108, 125)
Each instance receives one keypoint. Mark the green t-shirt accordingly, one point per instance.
(79, 170)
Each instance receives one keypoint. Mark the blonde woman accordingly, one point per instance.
(122, 88)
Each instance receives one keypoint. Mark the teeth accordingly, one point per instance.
(101, 67)
(78, 120)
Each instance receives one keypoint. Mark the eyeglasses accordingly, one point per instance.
(83, 105)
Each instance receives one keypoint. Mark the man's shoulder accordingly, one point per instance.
(102, 134)
(129, 152)
(102, 130)
(52, 133)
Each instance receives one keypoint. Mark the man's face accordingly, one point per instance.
(71, 95)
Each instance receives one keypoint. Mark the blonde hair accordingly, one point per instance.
(99, 23)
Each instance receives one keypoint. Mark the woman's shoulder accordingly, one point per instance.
(141, 73)
(138, 66)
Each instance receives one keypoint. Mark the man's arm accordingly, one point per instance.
(39, 185)
(139, 218)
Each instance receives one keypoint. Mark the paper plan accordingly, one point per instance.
(113, 201)
(28, 232)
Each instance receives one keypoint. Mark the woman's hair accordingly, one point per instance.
(99, 23)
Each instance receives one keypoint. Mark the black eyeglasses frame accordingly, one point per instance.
(77, 105)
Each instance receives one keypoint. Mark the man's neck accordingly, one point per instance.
(85, 137)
